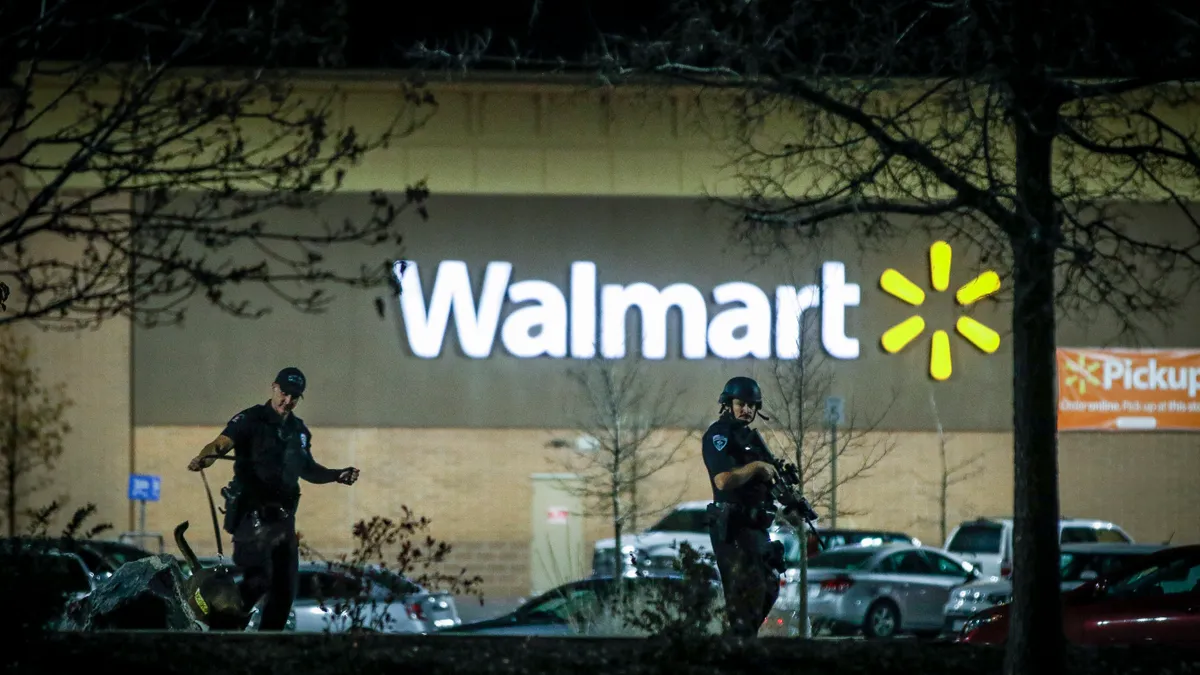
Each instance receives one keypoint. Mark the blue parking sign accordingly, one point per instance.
(143, 487)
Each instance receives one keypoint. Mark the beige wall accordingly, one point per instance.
(475, 487)
(95, 366)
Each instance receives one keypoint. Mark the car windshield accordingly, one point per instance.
(833, 539)
(1071, 566)
(63, 573)
(1075, 534)
(846, 559)
(980, 538)
(119, 553)
(683, 520)
(394, 583)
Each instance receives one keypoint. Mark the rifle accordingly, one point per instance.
(789, 491)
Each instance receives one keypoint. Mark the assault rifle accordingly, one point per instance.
(788, 490)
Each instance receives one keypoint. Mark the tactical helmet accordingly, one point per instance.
(742, 388)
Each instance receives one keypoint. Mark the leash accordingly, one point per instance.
(212, 508)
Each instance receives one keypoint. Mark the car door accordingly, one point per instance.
(907, 581)
(1157, 604)
(563, 611)
(948, 574)
(315, 588)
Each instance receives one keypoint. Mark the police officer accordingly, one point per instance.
(742, 509)
(273, 454)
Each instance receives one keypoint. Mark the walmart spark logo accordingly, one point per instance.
(1082, 374)
(897, 337)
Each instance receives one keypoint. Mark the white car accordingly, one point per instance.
(657, 548)
(988, 542)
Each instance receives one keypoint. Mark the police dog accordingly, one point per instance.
(212, 592)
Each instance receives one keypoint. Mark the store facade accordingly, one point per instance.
(565, 228)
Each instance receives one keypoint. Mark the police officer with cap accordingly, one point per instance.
(742, 509)
(274, 451)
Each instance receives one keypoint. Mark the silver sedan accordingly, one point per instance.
(880, 590)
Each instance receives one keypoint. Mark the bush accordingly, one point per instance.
(375, 581)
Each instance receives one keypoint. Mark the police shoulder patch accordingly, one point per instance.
(237, 418)
(719, 442)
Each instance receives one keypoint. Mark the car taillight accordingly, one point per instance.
(1005, 569)
(836, 585)
(416, 612)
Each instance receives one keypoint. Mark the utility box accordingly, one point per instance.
(556, 553)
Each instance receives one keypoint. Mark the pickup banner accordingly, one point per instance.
(1128, 389)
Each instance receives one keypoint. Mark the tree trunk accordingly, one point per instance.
(803, 609)
(10, 465)
(618, 558)
(1036, 643)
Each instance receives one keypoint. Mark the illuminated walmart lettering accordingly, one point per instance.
(547, 324)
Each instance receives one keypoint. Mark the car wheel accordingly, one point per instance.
(882, 620)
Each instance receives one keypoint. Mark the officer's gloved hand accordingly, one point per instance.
(768, 471)
(348, 476)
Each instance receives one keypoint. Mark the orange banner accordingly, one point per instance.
(1128, 389)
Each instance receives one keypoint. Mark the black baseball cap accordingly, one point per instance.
(291, 381)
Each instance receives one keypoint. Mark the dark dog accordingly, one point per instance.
(212, 592)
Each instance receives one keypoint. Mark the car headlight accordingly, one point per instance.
(974, 623)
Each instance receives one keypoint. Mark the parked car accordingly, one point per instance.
(1078, 563)
(38, 572)
(577, 608)
(988, 542)
(388, 602)
(1153, 601)
(825, 540)
(103, 557)
(879, 590)
(100, 557)
(657, 548)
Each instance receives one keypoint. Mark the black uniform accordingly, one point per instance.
(272, 455)
(750, 583)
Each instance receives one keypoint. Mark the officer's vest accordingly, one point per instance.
(278, 454)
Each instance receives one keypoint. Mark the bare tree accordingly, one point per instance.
(628, 418)
(164, 151)
(800, 429)
(32, 426)
(949, 473)
(1018, 127)
(802, 386)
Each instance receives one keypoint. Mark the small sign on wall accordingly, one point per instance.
(556, 515)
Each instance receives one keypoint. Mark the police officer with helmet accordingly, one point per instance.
(742, 509)
(274, 451)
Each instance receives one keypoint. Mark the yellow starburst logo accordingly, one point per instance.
(897, 337)
(1082, 374)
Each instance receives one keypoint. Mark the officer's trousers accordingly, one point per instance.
(265, 547)
(750, 586)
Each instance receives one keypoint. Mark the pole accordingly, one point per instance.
(833, 484)
(142, 518)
